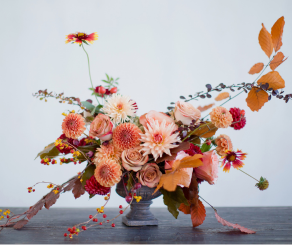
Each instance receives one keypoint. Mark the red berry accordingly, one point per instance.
(208, 142)
(65, 234)
(74, 228)
(135, 194)
(101, 90)
(28, 191)
(69, 229)
(137, 186)
(113, 225)
(107, 221)
(84, 228)
(33, 190)
(42, 161)
(114, 90)
(49, 159)
(242, 112)
(121, 211)
(95, 220)
(8, 216)
(104, 216)
(90, 216)
(71, 159)
(120, 206)
(100, 223)
(128, 199)
(70, 236)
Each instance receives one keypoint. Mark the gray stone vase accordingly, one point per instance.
(139, 214)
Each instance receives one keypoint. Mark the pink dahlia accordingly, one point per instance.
(94, 188)
(239, 119)
(73, 125)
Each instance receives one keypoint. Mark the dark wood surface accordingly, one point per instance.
(272, 225)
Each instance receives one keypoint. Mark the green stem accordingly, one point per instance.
(208, 203)
(248, 175)
(89, 71)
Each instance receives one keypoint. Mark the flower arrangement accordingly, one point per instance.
(171, 151)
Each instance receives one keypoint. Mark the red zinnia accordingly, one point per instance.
(94, 188)
(239, 120)
(79, 37)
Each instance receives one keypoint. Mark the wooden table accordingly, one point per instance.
(272, 225)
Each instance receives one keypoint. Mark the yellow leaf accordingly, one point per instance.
(191, 162)
(274, 80)
(256, 68)
(265, 40)
(277, 32)
(278, 60)
(222, 96)
(256, 99)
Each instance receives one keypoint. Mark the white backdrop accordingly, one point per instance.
(160, 50)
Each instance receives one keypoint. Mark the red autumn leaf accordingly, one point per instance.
(265, 40)
(256, 98)
(78, 189)
(51, 199)
(274, 80)
(20, 224)
(184, 208)
(198, 213)
(278, 60)
(256, 68)
(277, 32)
(235, 226)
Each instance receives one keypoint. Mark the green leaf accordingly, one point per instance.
(91, 89)
(87, 105)
(205, 147)
(87, 174)
(91, 196)
(87, 148)
(130, 182)
(85, 42)
(50, 151)
(41, 98)
(107, 77)
(173, 199)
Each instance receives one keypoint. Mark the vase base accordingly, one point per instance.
(132, 222)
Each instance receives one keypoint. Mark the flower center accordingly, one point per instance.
(231, 157)
(157, 138)
(81, 34)
(120, 106)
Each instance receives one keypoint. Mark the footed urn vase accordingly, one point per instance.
(139, 214)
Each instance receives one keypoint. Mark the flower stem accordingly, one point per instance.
(208, 203)
(89, 70)
(248, 175)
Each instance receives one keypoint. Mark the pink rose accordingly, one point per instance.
(133, 159)
(149, 175)
(208, 171)
(186, 113)
(101, 127)
(180, 156)
(154, 115)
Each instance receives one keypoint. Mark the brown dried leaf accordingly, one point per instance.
(51, 199)
(222, 96)
(274, 80)
(184, 208)
(278, 60)
(277, 32)
(265, 40)
(256, 68)
(78, 189)
(236, 226)
(70, 185)
(206, 130)
(205, 107)
(20, 224)
(182, 147)
(33, 210)
(255, 100)
(198, 213)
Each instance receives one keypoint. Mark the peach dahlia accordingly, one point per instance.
(108, 172)
(73, 125)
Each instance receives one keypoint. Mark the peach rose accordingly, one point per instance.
(159, 116)
(101, 127)
(223, 143)
(133, 159)
(186, 113)
(149, 175)
(179, 156)
(208, 171)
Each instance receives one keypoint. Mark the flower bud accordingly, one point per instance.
(263, 184)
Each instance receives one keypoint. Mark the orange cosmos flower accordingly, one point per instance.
(233, 159)
(80, 37)
(73, 125)
(108, 172)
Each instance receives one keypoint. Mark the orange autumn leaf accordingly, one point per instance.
(256, 68)
(170, 180)
(274, 80)
(205, 107)
(222, 96)
(184, 208)
(256, 99)
(277, 32)
(206, 130)
(265, 40)
(278, 60)
(198, 213)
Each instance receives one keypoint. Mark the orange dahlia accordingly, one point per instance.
(126, 136)
(221, 117)
(107, 151)
(73, 125)
(80, 37)
(108, 172)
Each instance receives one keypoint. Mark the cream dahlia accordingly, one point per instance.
(126, 136)
(158, 138)
(107, 151)
(119, 108)
(108, 173)
(73, 125)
